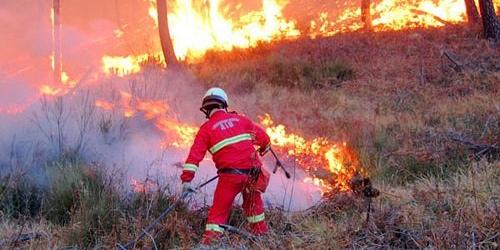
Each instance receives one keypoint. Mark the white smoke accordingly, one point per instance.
(71, 123)
(50, 126)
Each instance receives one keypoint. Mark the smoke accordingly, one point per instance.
(53, 126)
(35, 129)
(93, 28)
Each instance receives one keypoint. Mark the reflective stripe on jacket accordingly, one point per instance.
(230, 138)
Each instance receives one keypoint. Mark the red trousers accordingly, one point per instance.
(228, 187)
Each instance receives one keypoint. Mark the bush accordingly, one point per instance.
(20, 198)
(275, 69)
(303, 73)
(82, 196)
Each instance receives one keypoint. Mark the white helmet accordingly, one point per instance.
(214, 97)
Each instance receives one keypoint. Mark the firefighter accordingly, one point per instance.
(230, 138)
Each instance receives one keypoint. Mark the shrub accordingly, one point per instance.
(307, 74)
(20, 198)
(82, 196)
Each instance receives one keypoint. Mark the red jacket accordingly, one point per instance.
(230, 138)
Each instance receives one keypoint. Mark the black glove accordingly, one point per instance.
(187, 187)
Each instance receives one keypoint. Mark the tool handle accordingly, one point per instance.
(164, 213)
(279, 165)
(207, 182)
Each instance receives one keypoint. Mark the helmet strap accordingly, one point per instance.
(209, 112)
(206, 112)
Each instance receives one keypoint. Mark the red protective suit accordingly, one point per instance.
(230, 138)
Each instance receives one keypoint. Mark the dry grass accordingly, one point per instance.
(391, 95)
(401, 99)
(461, 211)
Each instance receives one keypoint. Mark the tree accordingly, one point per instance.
(165, 39)
(491, 25)
(472, 13)
(56, 41)
(366, 16)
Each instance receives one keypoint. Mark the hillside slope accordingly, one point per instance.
(403, 100)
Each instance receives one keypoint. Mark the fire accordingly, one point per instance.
(392, 15)
(67, 81)
(152, 109)
(66, 85)
(104, 105)
(177, 134)
(146, 186)
(195, 30)
(330, 164)
(398, 14)
(197, 27)
(321, 184)
(184, 133)
(122, 66)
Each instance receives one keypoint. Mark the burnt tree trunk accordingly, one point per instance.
(165, 39)
(56, 41)
(472, 12)
(491, 25)
(366, 16)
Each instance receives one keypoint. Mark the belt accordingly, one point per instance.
(247, 171)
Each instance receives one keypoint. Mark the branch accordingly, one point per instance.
(479, 150)
(458, 66)
(425, 13)
(20, 238)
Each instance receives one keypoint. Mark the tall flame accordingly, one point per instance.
(199, 26)
(393, 15)
(196, 28)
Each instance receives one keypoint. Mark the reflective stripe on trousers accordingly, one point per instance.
(256, 218)
(214, 227)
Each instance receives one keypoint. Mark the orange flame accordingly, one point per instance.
(392, 15)
(196, 28)
(331, 164)
(146, 186)
(67, 84)
(122, 66)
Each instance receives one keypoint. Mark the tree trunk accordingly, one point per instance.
(366, 16)
(491, 25)
(165, 39)
(472, 13)
(56, 41)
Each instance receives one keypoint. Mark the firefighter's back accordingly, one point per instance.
(231, 140)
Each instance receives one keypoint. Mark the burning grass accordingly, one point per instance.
(393, 99)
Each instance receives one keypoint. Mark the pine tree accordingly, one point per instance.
(165, 39)
(491, 25)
